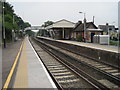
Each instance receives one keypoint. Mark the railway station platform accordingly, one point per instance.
(30, 71)
(104, 53)
(109, 48)
(93, 45)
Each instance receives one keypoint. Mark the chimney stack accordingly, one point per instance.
(107, 24)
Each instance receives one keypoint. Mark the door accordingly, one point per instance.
(92, 34)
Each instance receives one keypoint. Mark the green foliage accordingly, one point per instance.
(8, 26)
(19, 21)
(30, 33)
(79, 38)
(8, 8)
(12, 21)
(114, 43)
(8, 18)
(47, 23)
(27, 24)
(15, 26)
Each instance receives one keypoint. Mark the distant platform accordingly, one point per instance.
(109, 48)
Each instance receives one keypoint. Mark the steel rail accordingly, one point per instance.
(89, 79)
(114, 78)
(59, 87)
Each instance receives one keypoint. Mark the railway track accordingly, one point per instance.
(109, 70)
(98, 83)
(69, 63)
(112, 73)
(64, 75)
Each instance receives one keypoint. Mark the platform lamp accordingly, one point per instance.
(84, 25)
(13, 31)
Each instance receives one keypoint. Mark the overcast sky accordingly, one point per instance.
(36, 13)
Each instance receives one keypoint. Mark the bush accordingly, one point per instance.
(114, 43)
(80, 39)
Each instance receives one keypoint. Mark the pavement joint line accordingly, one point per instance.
(13, 68)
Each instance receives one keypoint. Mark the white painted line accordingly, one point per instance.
(50, 79)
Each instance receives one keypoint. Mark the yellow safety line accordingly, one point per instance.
(21, 79)
(13, 68)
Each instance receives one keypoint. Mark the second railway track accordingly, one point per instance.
(56, 68)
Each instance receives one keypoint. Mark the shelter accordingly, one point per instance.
(61, 29)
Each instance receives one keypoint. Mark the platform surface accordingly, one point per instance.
(94, 45)
(31, 72)
(109, 48)
(8, 57)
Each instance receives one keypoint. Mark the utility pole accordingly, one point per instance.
(13, 32)
(3, 24)
(84, 26)
(108, 33)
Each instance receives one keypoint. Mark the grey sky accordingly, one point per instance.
(38, 12)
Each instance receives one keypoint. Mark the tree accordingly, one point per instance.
(30, 33)
(12, 21)
(27, 24)
(47, 23)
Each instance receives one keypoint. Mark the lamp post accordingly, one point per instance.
(84, 25)
(4, 37)
(108, 33)
(13, 32)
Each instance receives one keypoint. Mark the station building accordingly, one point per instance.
(61, 29)
(90, 30)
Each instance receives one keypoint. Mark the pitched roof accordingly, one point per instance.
(80, 27)
(105, 27)
(64, 20)
(62, 24)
